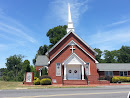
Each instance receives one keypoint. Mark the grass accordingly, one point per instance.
(19, 85)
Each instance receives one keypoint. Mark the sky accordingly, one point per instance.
(103, 24)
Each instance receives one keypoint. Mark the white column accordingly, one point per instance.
(82, 72)
(40, 73)
(64, 71)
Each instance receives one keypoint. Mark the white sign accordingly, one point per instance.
(29, 77)
(58, 69)
(54, 80)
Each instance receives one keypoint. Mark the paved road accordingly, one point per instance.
(100, 92)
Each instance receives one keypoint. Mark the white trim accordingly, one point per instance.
(73, 54)
(78, 46)
(77, 37)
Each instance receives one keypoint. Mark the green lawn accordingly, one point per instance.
(19, 85)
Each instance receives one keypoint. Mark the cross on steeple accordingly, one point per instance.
(72, 49)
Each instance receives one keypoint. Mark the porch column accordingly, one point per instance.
(40, 73)
(82, 72)
(64, 71)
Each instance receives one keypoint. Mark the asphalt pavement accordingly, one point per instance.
(97, 92)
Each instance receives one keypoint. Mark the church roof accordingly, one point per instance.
(42, 60)
(77, 37)
(72, 42)
(113, 66)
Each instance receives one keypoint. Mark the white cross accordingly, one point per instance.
(72, 49)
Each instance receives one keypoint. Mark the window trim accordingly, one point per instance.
(123, 73)
(108, 73)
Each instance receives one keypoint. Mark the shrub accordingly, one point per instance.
(45, 81)
(115, 79)
(121, 79)
(44, 77)
(36, 82)
(35, 78)
(109, 78)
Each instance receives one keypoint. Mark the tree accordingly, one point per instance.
(110, 56)
(124, 54)
(98, 57)
(55, 34)
(42, 50)
(26, 66)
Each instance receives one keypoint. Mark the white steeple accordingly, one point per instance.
(70, 23)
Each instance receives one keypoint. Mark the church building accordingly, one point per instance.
(71, 60)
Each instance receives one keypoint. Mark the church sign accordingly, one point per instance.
(29, 78)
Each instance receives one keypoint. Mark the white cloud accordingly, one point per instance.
(60, 8)
(11, 26)
(111, 39)
(118, 22)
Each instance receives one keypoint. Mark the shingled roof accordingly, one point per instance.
(42, 60)
(113, 66)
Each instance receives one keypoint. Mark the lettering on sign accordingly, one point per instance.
(29, 77)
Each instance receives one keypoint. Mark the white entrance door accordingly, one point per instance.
(73, 72)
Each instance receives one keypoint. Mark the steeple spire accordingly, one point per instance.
(70, 23)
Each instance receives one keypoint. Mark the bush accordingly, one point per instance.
(115, 79)
(109, 78)
(121, 79)
(35, 78)
(36, 82)
(44, 77)
(45, 81)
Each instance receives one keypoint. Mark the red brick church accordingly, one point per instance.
(71, 60)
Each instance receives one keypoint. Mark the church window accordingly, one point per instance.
(58, 69)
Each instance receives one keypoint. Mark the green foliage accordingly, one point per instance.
(36, 82)
(26, 66)
(45, 81)
(56, 33)
(110, 56)
(121, 79)
(44, 71)
(124, 54)
(44, 76)
(35, 78)
(36, 74)
(42, 50)
(98, 57)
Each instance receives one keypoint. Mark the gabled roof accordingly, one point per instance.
(74, 43)
(113, 66)
(72, 56)
(77, 37)
(42, 60)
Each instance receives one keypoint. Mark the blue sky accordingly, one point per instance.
(103, 24)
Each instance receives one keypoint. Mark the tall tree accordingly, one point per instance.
(55, 34)
(26, 66)
(98, 57)
(124, 54)
(41, 51)
(110, 56)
